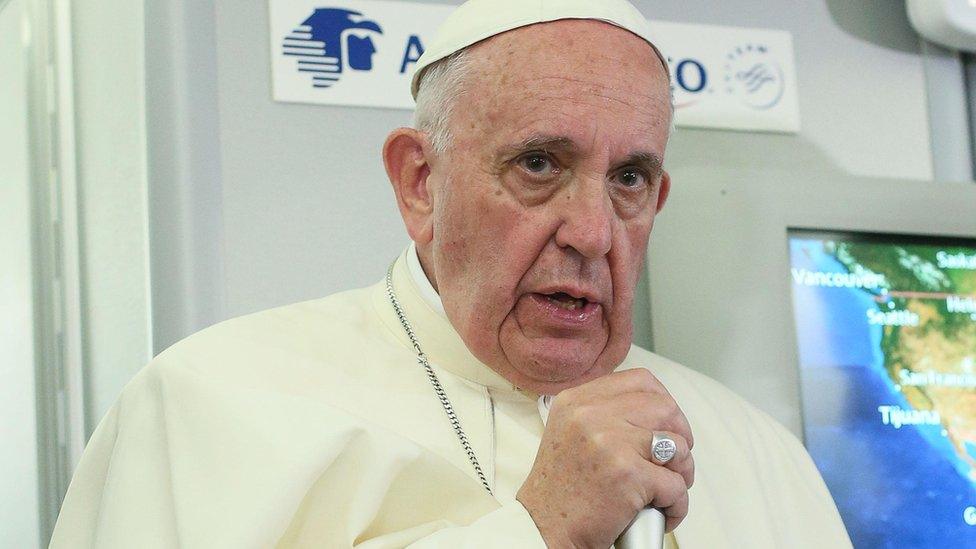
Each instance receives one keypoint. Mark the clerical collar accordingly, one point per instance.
(427, 290)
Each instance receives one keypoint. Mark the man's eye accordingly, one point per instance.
(631, 178)
(537, 163)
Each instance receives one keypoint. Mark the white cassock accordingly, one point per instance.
(313, 425)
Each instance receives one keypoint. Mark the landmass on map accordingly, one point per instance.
(927, 311)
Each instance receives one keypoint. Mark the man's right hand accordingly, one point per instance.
(594, 472)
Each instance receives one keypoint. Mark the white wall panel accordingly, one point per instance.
(111, 173)
(18, 419)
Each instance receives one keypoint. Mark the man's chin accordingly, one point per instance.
(550, 365)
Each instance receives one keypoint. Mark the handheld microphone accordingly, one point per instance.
(646, 531)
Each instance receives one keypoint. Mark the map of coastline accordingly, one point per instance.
(936, 353)
(887, 337)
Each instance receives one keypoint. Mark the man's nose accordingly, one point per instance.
(586, 212)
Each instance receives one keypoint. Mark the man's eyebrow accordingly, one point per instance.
(544, 143)
(650, 162)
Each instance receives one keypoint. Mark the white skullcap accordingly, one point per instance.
(476, 20)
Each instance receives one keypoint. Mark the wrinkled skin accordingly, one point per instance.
(551, 185)
(548, 194)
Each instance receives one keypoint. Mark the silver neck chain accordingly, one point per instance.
(438, 388)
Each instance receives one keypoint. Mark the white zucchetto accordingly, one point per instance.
(476, 20)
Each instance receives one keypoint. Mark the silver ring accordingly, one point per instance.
(663, 448)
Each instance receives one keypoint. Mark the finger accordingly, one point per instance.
(682, 463)
(676, 513)
(636, 380)
(684, 467)
(643, 440)
(687, 470)
(654, 413)
(666, 491)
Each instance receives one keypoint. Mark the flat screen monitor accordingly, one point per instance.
(723, 287)
(886, 339)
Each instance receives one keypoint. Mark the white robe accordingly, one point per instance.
(313, 425)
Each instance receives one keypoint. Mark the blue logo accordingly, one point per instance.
(331, 41)
(752, 74)
(688, 76)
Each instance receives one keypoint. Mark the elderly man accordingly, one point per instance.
(414, 412)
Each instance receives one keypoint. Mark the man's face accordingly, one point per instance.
(543, 205)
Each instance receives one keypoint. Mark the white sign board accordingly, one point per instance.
(730, 77)
(362, 53)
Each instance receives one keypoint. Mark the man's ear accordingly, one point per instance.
(406, 155)
(663, 191)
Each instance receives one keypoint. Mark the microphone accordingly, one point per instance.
(646, 531)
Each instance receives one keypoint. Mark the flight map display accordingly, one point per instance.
(886, 329)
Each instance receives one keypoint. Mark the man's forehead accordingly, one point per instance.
(564, 88)
(583, 65)
(561, 105)
(548, 60)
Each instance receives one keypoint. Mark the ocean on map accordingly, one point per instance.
(894, 487)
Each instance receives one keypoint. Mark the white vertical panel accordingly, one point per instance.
(184, 169)
(948, 116)
(70, 267)
(110, 122)
(18, 421)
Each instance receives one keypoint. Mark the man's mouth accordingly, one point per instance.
(566, 301)
(553, 307)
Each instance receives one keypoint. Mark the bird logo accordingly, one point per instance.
(752, 74)
(331, 41)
